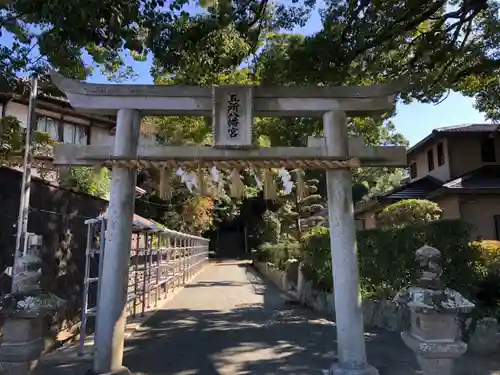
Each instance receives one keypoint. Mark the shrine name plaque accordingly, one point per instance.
(233, 118)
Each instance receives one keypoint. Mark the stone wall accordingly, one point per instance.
(377, 314)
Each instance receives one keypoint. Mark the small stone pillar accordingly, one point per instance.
(24, 309)
(434, 334)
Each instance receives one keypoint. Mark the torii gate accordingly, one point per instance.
(233, 109)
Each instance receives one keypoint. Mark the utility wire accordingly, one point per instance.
(60, 213)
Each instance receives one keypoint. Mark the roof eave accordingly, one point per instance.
(463, 191)
(374, 204)
(419, 145)
(437, 193)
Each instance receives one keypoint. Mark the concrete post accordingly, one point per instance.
(112, 300)
(348, 309)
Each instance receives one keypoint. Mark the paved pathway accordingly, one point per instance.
(229, 322)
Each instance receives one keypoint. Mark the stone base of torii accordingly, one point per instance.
(334, 152)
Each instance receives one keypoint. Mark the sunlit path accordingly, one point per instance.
(229, 322)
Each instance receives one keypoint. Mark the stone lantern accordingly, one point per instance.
(434, 334)
(24, 309)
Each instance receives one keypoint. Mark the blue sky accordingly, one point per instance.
(414, 121)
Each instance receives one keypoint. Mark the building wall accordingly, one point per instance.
(370, 219)
(450, 206)
(99, 135)
(480, 211)
(466, 154)
(17, 110)
(102, 137)
(440, 172)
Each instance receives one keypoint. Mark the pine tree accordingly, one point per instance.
(301, 213)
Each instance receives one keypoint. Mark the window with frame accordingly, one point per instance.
(74, 134)
(440, 154)
(430, 160)
(488, 154)
(413, 170)
(48, 125)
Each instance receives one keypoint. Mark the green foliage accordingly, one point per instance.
(387, 257)
(86, 180)
(440, 45)
(11, 136)
(278, 254)
(490, 253)
(62, 35)
(488, 296)
(12, 141)
(269, 228)
(225, 209)
(317, 258)
(379, 40)
(236, 42)
(409, 211)
(299, 213)
(387, 261)
(184, 211)
(377, 181)
(197, 214)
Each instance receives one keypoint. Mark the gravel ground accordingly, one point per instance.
(229, 322)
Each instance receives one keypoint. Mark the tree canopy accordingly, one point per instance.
(440, 45)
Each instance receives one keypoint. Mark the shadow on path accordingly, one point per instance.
(250, 330)
(242, 325)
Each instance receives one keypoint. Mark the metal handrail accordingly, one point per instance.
(161, 260)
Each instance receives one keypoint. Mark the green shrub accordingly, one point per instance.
(489, 251)
(279, 254)
(270, 228)
(488, 288)
(410, 211)
(86, 180)
(387, 257)
(316, 258)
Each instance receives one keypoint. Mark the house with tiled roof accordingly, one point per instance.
(56, 117)
(458, 167)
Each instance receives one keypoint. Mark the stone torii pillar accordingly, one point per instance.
(112, 314)
(233, 108)
(348, 308)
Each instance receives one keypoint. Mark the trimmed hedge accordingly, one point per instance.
(387, 260)
(278, 254)
(409, 212)
(387, 257)
(489, 252)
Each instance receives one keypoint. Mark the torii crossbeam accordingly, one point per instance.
(232, 109)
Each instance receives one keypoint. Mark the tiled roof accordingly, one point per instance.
(456, 129)
(419, 189)
(414, 190)
(428, 187)
(468, 128)
(487, 177)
